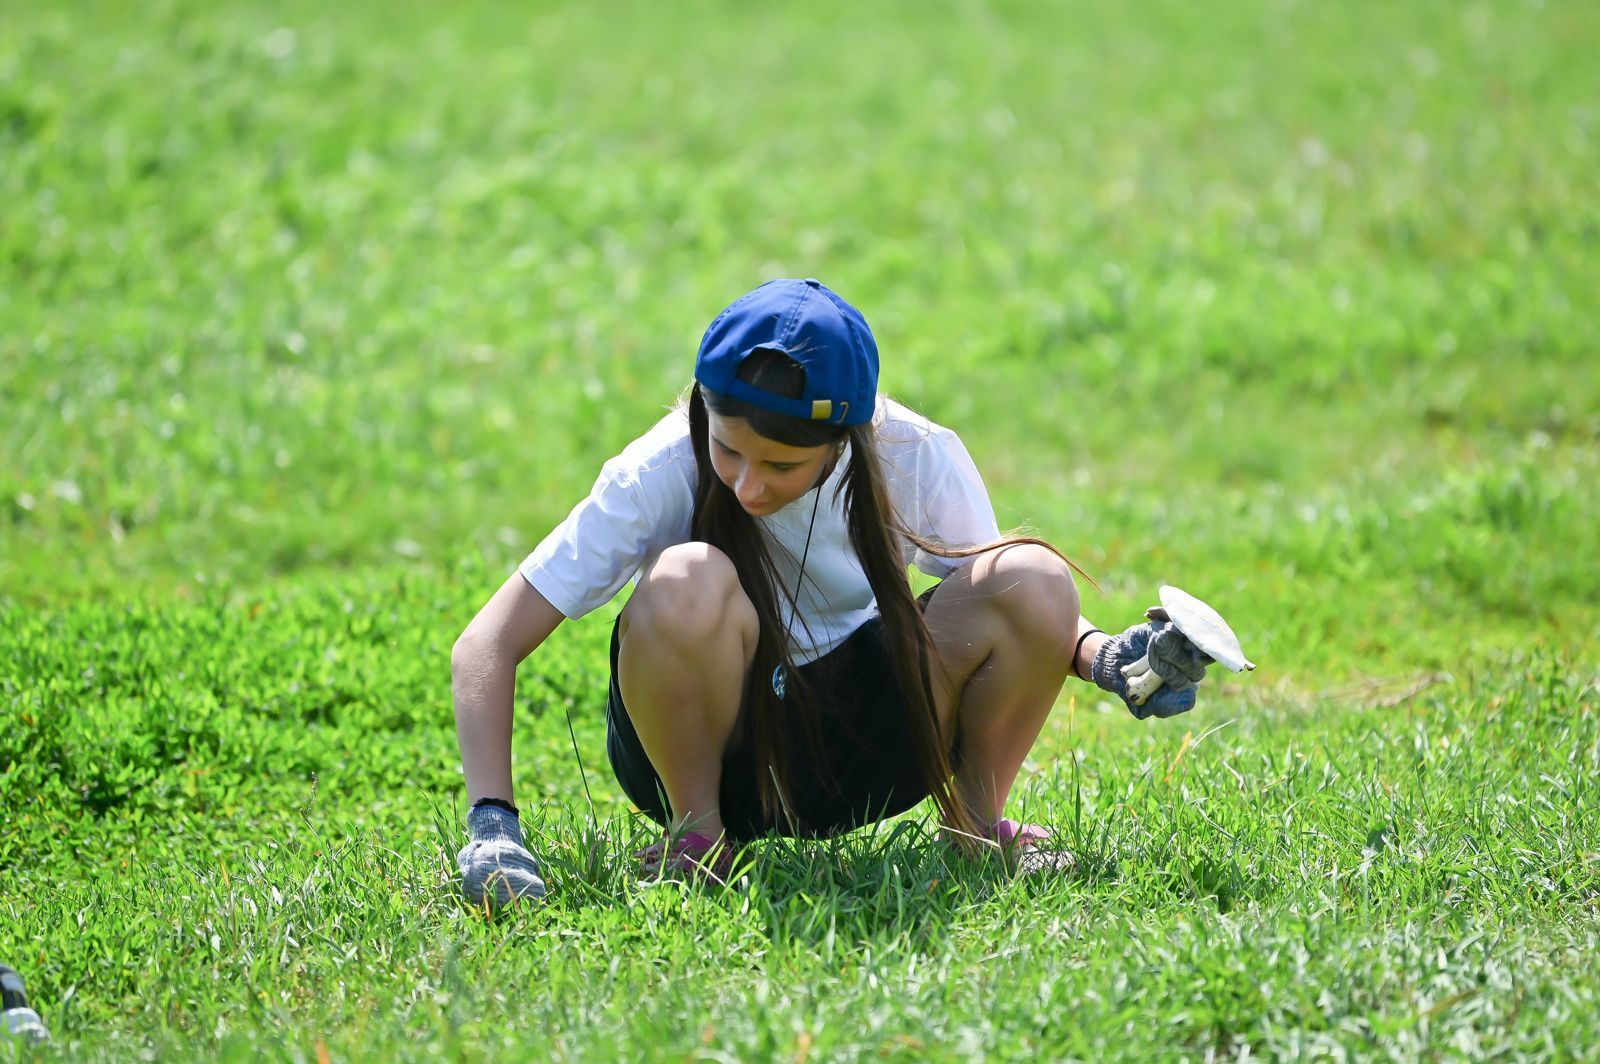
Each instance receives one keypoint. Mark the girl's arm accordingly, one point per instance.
(1088, 647)
(483, 672)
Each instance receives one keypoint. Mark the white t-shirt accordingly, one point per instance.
(643, 501)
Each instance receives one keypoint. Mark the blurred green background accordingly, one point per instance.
(1286, 303)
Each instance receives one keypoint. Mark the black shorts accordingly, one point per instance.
(865, 738)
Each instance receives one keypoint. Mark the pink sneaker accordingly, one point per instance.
(1008, 833)
(1019, 843)
(692, 856)
(1020, 847)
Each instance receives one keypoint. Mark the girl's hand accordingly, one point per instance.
(1173, 657)
(496, 864)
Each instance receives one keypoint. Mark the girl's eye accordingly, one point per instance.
(731, 453)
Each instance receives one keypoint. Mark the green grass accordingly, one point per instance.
(313, 321)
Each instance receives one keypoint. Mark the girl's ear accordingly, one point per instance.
(833, 463)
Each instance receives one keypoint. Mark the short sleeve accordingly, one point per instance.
(641, 503)
(954, 505)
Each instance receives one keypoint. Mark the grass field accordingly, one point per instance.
(314, 319)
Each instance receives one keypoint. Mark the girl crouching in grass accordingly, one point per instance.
(772, 672)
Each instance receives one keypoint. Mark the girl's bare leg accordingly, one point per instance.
(687, 638)
(1005, 627)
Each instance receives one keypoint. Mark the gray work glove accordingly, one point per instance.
(496, 863)
(1173, 656)
(1179, 663)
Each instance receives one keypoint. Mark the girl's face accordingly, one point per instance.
(763, 474)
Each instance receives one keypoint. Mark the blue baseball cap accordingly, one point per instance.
(827, 336)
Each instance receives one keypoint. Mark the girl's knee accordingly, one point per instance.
(1034, 587)
(688, 594)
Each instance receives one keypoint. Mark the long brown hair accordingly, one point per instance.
(874, 528)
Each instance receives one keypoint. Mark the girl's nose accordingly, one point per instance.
(749, 488)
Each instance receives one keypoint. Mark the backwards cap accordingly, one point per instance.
(806, 321)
